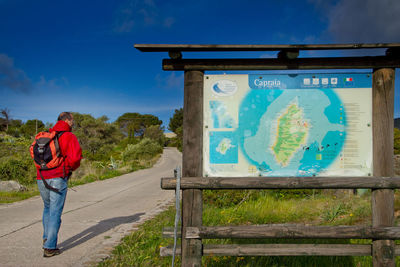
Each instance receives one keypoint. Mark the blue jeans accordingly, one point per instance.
(53, 207)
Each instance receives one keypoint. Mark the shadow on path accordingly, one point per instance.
(98, 229)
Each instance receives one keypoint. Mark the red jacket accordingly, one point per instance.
(70, 149)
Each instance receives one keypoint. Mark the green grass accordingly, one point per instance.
(225, 207)
(141, 248)
(10, 197)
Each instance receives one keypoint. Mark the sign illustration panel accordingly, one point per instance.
(288, 125)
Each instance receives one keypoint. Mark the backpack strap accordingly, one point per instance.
(47, 185)
(58, 135)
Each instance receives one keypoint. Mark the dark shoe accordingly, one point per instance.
(51, 252)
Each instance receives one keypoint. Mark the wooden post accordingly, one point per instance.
(383, 199)
(192, 202)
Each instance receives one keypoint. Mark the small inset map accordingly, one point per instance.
(221, 118)
(223, 148)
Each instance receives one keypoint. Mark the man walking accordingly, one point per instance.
(54, 189)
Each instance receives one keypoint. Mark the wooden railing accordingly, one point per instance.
(285, 231)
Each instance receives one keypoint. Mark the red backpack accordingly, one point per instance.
(45, 151)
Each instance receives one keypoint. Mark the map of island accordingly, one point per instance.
(291, 133)
(224, 146)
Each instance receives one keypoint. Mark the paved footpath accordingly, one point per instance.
(96, 216)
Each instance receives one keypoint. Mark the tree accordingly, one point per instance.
(2, 124)
(396, 141)
(135, 124)
(32, 127)
(179, 138)
(155, 132)
(176, 125)
(5, 120)
(176, 121)
(94, 134)
(15, 128)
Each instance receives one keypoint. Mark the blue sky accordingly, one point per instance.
(78, 55)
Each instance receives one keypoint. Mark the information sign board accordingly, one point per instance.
(288, 125)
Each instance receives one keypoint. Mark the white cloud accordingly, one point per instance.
(369, 21)
(172, 81)
(272, 54)
(53, 84)
(16, 80)
(12, 78)
(175, 81)
(136, 13)
(124, 26)
(168, 22)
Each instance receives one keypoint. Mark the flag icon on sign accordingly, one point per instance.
(348, 81)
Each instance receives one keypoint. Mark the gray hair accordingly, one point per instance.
(64, 116)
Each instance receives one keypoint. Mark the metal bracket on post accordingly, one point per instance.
(393, 52)
(175, 54)
(288, 54)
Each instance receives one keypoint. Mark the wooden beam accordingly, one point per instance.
(295, 231)
(192, 203)
(282, 182)
(274, 250)
(222, 48)
(280, 250)
(282, 63)
(382, 126)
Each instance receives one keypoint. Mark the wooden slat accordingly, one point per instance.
(169, 232)
(382, 125)
(282, 64)
(221, 48)
(295, 231)
(167, 251)
(288, 250)
(287, 231)
(282, 182)
(230, 250)
(280, 250)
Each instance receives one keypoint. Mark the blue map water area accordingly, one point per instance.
(322, 111)
(335, 112)
(320, 156)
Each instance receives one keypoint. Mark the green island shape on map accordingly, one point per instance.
(291, 134)
(224, 145)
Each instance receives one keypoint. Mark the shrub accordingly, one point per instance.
(18, 170)
(295, 193)
(145, 149)
(155, 132)
(396, 141)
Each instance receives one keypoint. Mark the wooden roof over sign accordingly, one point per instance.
(222, 48)
(287, 57)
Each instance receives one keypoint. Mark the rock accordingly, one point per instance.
(9, 186)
